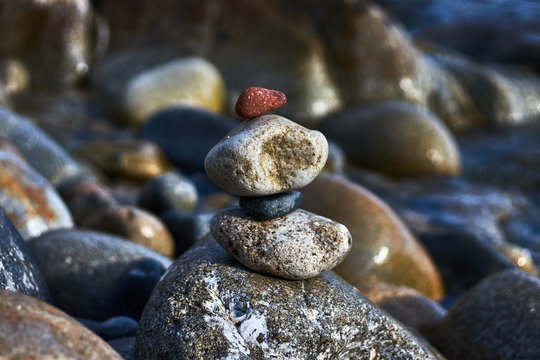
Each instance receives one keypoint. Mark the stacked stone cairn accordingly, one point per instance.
(264, 161)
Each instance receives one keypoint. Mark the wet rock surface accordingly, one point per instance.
(84, 271)
(483, 325)
(18, 269)
(33, 329)
(91, 93)
(28, 199)
(216, 308)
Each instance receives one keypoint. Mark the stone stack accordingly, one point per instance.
(264, 161)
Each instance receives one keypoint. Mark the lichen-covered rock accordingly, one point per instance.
(85, 271)
(32, 329)
(267, 155)
(210, 307)
(18, 269)
(300, 245)
(28, 199)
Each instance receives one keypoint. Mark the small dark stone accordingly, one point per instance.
(168, 191)
(136, 285)
(125, 347)
(186, 134)
(272, 206)
(117, 327)
(186, 227)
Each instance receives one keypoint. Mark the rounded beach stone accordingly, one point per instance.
(396, 138)
(265, 156)
(209, 306)
(32, 329)
(271, 206)
(86, 271)
(256, 101)
(169, 191)
(18, 269)
(300, 245)
(28, 199)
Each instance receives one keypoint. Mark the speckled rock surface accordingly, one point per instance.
(267, 155)
(256, 101)
(296, 246)
(133, 224)
(271, 206)
(383, 250)
(209, 306)
(32, 329)
(18, 269)
(29, 200)
(395, 138)
(497, 319)
(84, 269)
(40, 150)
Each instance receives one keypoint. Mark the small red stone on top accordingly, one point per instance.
(255, 101)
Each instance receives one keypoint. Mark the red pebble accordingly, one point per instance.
(255, 101)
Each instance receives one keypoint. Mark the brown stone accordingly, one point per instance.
(255, 101)
(135, 224)
(32, 329)
(383, 248)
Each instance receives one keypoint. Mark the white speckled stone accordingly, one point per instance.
(266, 155)
(299, 245)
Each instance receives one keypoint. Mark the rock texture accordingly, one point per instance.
(18, 269)
(271, 206)
(28, 199)
(209, 306)
(256, 101)
(31, 329)
(85, 270)
(267, 155)
(297, 246)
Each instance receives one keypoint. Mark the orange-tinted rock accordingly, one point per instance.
(255, 101)
(31, 329)
(383, 249)
(138, 225)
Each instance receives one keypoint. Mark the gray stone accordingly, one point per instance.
(296, 246)
(40, 150)
(266, 155)
(271, 206)
(186, 227)
(125, 347)
(169, 191)
(83, 270)
(210, 307)
(28, 199)
(186, 134)
(32, 329)
(497, 319)
(18, 269)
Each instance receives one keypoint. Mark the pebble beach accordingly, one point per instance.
(237, 179)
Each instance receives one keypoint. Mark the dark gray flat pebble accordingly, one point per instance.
(272, 206)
